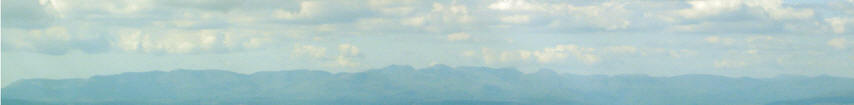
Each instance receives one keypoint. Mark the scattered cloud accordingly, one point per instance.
(458, 36)
(346, 57)
(839, 43)
(309, 50)
(730, 64)
(838, 24)
(516, 19)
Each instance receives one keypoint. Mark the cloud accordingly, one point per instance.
(563, 51)
(771, 9)
(622, 49)
(516, 19)
(608, 15)
(458, 36)
(744, 16)
(682, 53)
(556, 54)
(308, 9)
(839, 43)
(309, 50)
(221, 26)
(187, 41)
(414, 21)
(346, 57)
(513, 5)
(321, 12)
(719, 40)
(729, 64)
(838, 24)
(55, 40)
(25, 14)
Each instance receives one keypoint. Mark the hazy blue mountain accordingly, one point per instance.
(441, 85)
(841, 98)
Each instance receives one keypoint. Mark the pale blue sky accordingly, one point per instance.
(756, 38)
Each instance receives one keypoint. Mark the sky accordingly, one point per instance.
(753, 38)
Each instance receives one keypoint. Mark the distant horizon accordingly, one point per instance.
(422, 68)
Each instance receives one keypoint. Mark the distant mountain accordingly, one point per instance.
(844, 98)
(441, 85)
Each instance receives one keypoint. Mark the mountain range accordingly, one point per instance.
(440, 84)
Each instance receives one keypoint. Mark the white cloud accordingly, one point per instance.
(469, 53)
(186, 41)
(772, 9)
(729, 64)
(682, 53)
(129, 41)
(440, 17)
(838, 24)
(51, 40)
(560, 54)
(621, 49)
(345, 62)
(346, 57)
(563, 51)
(458, 36)
(307, 9)
(452, 13)
(751, 51)
(514, 5)
(309, 50)
(348, 50)
(604, 16)
(719, 40)
(347, 53)
(516, 19)
(414, 21)
(703, 8)
(839, 43)
(743, 16)
(183, 27)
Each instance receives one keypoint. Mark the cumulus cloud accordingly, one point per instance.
(744, 16)
(771, 9)
(26, 14)
(458, 36)
(185, 42)
(600, 16)
(574, 54)
(556, 54)
(188, 27)
(622, 49)
(308, 9)
(346, 57)
(839, 43)
(719, 40)
(514, 5)
(516, 19)
(55, 40)
(729, 64)
(309, 50)
(563, 51)
(608, 15)
(838, 24)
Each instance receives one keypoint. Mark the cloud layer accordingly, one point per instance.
(729, 37)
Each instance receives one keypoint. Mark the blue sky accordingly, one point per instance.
(757, 38)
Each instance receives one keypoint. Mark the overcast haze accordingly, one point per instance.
(759, 38)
